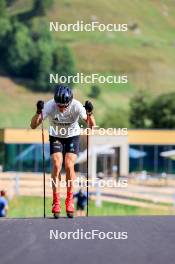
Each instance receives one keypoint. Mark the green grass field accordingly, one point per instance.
(33, 207)
(148, 58)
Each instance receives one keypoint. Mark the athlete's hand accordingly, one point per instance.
(89, 107)
(40, 106)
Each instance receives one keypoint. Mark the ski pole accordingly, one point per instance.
(44, 171)
(87, 139)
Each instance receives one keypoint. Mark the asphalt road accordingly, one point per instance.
(150, 240)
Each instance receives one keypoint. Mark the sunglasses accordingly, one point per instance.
(62, 105)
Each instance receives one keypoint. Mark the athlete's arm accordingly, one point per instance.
(90, 117)
(90, 120)
(36, 121)
(37, 118)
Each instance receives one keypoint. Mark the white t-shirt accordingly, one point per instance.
(64, 124)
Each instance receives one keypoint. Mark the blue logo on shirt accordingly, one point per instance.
(72, 147)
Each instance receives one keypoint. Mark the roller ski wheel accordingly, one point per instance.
(56, 215)
(70, 215)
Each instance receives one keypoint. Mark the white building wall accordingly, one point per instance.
(113, 141)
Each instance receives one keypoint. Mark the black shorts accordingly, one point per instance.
(80, 207)
(64, 145)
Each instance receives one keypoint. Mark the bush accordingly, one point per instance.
(156, 113)
(115, 118)
(139, 110)
(95, 92)
(162, 111)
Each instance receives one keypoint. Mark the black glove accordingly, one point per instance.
(89, 107)
(40, 106)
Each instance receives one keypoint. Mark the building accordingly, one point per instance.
(20, 150)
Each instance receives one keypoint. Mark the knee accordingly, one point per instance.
(69, 165)
(56, 166)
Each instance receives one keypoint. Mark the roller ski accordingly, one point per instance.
(56, 206)
(70, 205)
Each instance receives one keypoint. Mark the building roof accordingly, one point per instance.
(135, 137)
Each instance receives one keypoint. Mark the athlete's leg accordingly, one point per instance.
(70, 159)
(71, 152)
(56, 159)
(56, 178)
(56, 149)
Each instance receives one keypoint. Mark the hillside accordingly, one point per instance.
(146, 54)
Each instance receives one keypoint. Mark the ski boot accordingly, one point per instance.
(69, 205)
(56, 206)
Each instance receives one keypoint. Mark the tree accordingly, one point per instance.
(162, 111)
(139, 110)
(3, 8)
(43, 65)
(40, 7)
(5, 28)
(20, 46)
(31, 52)
(95, 92)
(42, 59)
(5, 24)
(10, 2)
(63, 61)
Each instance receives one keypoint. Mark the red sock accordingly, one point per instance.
(56, 196)
(69, 194)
